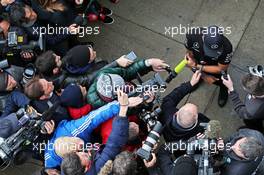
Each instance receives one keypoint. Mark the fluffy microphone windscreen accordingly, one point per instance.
(214, 128)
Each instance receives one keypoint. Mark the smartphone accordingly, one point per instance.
(224, 75)
(131, 56)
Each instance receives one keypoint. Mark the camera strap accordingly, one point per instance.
(50, 104)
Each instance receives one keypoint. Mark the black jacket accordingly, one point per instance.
(168, 166)
(16, 72)
(60, 113)
(234, 164)
(65, 78)
(60, 18)
(169, 109)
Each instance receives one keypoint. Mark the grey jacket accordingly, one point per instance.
(235, 165)
(251, 109)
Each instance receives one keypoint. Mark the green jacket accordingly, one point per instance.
(128, 74)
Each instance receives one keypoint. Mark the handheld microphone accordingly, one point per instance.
(179, 68)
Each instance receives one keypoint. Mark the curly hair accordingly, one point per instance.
(253, 84)
(71, 165)
(124, 164)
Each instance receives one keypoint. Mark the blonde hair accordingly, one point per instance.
(65, 145)
(52, 5)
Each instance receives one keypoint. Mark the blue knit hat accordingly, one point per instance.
(72, 96)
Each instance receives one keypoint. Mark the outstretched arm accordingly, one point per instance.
(119, 135)
(85, 125)
(174, 98)
(239, 106)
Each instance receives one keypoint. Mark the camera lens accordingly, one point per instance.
(153, 137)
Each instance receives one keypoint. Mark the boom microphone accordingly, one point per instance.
(213, 129)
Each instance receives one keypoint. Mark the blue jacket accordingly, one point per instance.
(117, 139)
(81, 128)
(15, 101)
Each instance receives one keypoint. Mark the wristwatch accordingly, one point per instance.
(200, 67)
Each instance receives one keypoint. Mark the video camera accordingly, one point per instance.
(28, 74)
(16, 42)
(30, 123)
(204, 159)
(156, 83)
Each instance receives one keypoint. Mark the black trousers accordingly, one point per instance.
(256, 124)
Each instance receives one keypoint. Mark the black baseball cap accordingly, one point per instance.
(213, 42)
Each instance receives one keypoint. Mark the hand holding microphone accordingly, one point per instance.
(176, 71)
(190, 61)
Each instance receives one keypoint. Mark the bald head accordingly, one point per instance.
(187, 115)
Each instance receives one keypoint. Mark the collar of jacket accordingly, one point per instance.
(177, 126)
(78, 70)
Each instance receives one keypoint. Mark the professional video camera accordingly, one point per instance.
(206, 146)
(16, 42)
(156, 83)
(30, 123)
(28, 74)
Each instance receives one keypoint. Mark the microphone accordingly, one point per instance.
(213, 129)
(179, 68)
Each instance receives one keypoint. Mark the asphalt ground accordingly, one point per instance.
(140, 25)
